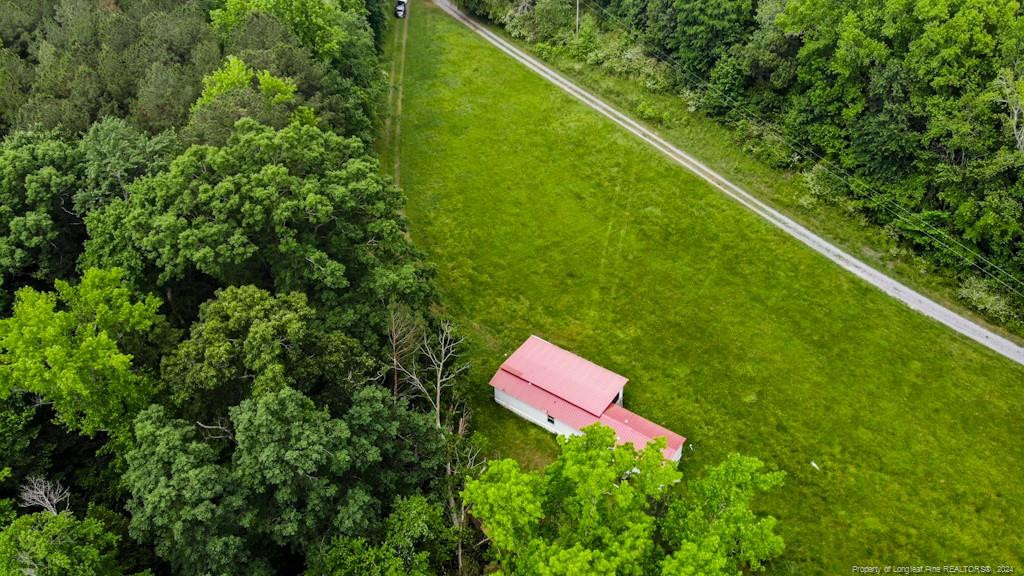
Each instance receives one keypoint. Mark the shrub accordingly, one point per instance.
(981, 296)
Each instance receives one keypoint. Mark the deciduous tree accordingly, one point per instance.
(74, 348)
(236, 91)
(47, 544)
(247, 342)
(601, 509)
(414, 529)
(40, 236)
(184, 501)
(297, 209)
(278, 478)
(114, 153)
(716, 526)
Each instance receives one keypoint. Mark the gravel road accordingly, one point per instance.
(893, 288)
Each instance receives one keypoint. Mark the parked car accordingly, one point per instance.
(400, 8)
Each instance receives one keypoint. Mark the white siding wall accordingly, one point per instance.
(538, 417)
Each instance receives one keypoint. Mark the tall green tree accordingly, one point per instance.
(89, 60)
(40, 235)
(296, 209)
(84, 348)
(265, 43)
(184, 501)
(15, 78)
(248, 342)
(338, 33)
(606, 509)
(114, 153)
(415, 528)
(715, 529)
(705, 30)
(356, 557)
(48, 544)
(289, 460)
(279, 476)
(236, 91)
(22, 19)
(17, 433)
(7, 513)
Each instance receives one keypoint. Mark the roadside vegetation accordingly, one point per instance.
(894, 130)
(899, 438)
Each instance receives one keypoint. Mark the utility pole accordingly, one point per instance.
(577, 17)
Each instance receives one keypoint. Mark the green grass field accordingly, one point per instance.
(542, 217)
(728, 152)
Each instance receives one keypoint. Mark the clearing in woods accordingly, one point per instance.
(544, 217)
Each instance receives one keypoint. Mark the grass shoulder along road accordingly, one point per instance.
(543, 217)
(737, 155)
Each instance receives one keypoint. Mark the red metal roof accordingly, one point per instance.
(566, 382)
(631, 427)
(543, 400)
(565, 374)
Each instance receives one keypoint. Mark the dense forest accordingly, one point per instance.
(907, 113)
(219, 351)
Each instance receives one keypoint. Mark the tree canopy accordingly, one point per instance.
(197, 252)
(277, 477)
(39, 236)
(76, 61)
(49, 544)
(296, 209)
(414, 522)
(247, 341)
(606, 509)
(114, 153)
(74, 347)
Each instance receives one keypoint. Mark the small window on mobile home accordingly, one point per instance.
(551, 419)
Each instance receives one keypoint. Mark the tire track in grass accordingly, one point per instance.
(397, 111)
(396, 43)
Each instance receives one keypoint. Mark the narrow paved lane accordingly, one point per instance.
(892, 287)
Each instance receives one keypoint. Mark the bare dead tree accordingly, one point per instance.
(221, 430)
(38, 491)
(403, 338)
(434, 379)
(435, 383)
(464, 457)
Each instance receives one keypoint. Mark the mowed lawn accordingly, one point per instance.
(543, 217)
